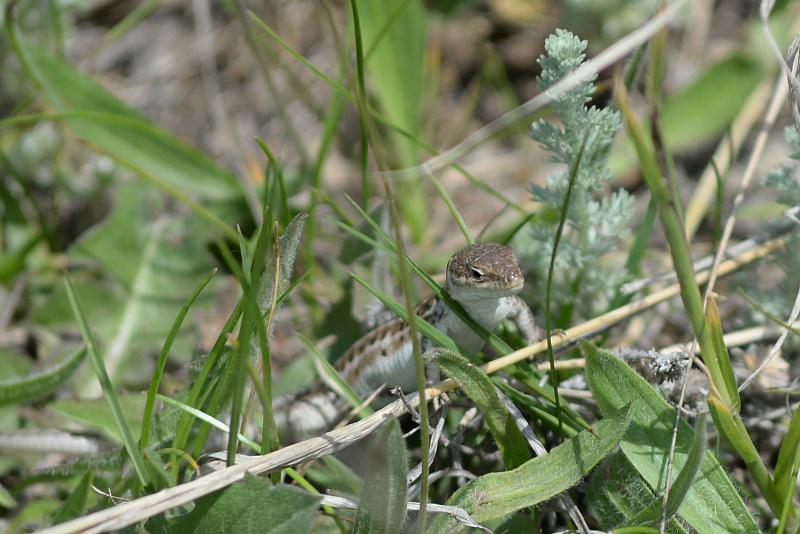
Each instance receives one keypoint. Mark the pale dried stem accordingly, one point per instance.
(779, 94)
(778, 97)
(140, 509)
(605, 59)
(724, 157)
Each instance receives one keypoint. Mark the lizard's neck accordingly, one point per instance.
(487, 311)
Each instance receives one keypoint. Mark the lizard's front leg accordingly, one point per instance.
(521, 315)
(433, 375)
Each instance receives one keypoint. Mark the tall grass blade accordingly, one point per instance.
(161, 363)
(105, 382)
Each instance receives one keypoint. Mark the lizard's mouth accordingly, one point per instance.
(491, 290)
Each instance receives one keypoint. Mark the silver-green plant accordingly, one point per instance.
(596, 221)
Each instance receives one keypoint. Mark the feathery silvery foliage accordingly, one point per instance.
(779, 294)
(596, 222)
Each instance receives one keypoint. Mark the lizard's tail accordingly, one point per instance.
(307, 413)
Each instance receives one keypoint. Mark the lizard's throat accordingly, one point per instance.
(471, 294)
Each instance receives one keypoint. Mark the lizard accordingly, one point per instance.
(483, 278)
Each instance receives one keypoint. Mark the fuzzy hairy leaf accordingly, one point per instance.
(382, 508)
(479, 387)
(251, 506)
(30, 388)
(498, 494)
(712, 504)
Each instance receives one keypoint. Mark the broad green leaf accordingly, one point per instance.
(98, 118)
(95, 413)
(701, 110)
(712, 504)
(382, 508)
(251, 506)
(40, 384)
(479, 387)
(498, 494)
(75, 505)
(394, 40)
(616, 493)
(683, 483)
(145, 267)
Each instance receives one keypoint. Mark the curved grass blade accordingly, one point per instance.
(162, 361)
(479, 387)
(108, 389)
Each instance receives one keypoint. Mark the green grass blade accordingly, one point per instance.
(479, 387)
(18, 391)
(105, 382)
(330, 373)
(683, 483)
(786, 471)
(161, 363)
(573, 175)
(721, 350)
(787, 456)
(427, 329)
(202, 383)
(216, 423)
(498, 494)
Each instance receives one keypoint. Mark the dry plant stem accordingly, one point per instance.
(231, 141)
(738, 338)
(707, 261)
(240, 9)
(605, 59)
(724, 156)
(137, 510)
(778, 96)
(796, 308)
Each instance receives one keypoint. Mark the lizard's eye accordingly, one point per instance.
(476, 273)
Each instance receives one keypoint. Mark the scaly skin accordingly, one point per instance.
(484, 279)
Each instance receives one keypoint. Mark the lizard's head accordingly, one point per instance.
(484, 271)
